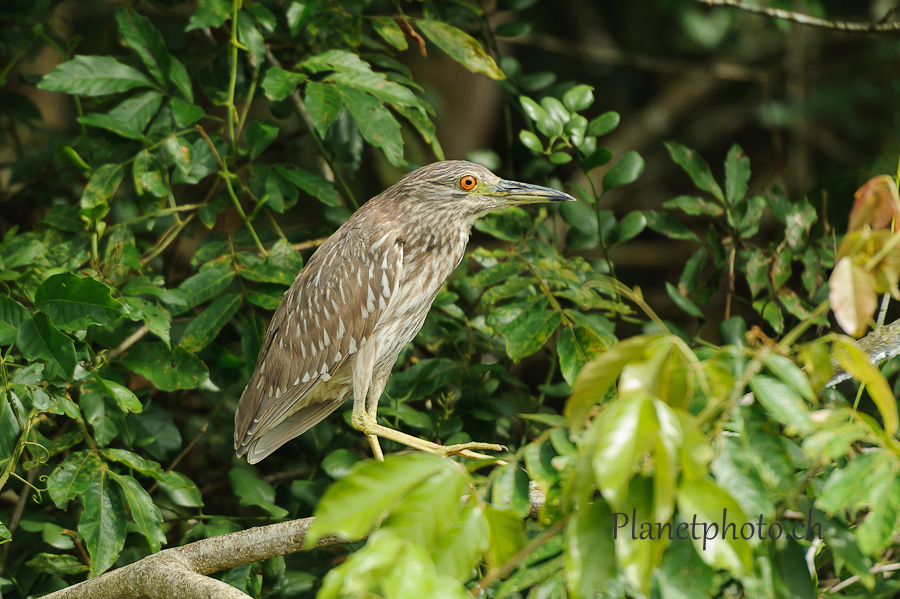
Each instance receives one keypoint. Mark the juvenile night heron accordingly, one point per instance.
(362, 296)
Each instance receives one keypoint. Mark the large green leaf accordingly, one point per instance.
(93, 76)
(696, 167)
(279, 83)
(429, 507)
(461, 46)
(12, 315)
(737, 174)
(324, 104)
(75, 303)
(375, 122)
(73, 477)
(783, 402)
(626, 432)
(128, 119)
(39, 339)
(142, 37)
(255, 491)
(101, 187)
(507, 535)
(205, 285)
(527, 335)
(590, 551)
(353, 505)
(144, 513)
(458, 549)
(713, 506)
(205, 326)
(168, 370)
(311, 183)
(102, 523)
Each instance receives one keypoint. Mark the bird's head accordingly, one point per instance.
(462, 187)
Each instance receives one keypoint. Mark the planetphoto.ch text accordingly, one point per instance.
(705, 531)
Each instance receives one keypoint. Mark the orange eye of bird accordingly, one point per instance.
(467, 182)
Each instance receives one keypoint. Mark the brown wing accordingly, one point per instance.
(326, 316)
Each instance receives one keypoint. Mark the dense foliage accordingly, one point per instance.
(215, 145)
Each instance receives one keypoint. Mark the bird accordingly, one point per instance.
(362, 296)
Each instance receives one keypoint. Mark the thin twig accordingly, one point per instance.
(129, 341)
(803, 19)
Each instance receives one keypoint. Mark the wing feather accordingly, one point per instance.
(327, 315)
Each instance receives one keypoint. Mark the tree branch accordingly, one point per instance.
(803, 19)
(180, 571)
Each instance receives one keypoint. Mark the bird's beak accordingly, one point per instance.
(514, 192)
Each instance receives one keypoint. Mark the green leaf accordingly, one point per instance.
(711, 504)
(204, 328)
(180, 152)
(56, 565)
(101, 186)
(128, 119)
(260, 136)
(311, 183)
(527, 335)
(209, 13)
(144, 512)
(339, 463)
(185, 113)
(352, 506)
(390, 32)
(683, 575)
(577, 346)
(590, 551)
(856, 363)
(169, 371)
(626, 431)
(625, 171)
(324, 104)
(782, 402)
(683, 303)
(102, 523)
(12, 315)
(150, 174)
(737, 175)
(458, 549)
(462, 47)
(531, 141)
(883, 496)
(37, 338)
(694, 206)
(603, 124)
(75, 303)
(278, 83)
(736, 471)
(250, 37)
(578, 98)
(786, 370)
(429, 507)
(845, 485)
(668, 226)
(73, 477)
(205, 285)
(628, 228)
(507, 535)
(254, 491)
(375, 122)
(598, 376)
(696, 167)
(123, 396)
(142, 37)
(93, 76)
